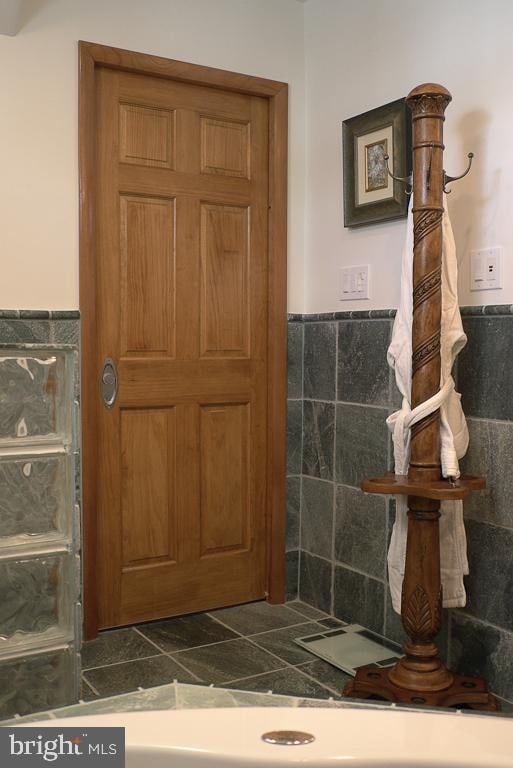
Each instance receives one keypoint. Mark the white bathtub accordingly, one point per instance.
(364, 738)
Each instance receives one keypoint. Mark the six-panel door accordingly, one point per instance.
(182, 307)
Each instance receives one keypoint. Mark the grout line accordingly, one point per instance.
(185, 669)
(256, 634)
(90, 685)
(293, 666)
(125, 661)
(288, 665)
(385, 407)
(260, 674)
(486, 623)
(485, 522)
(139, 632)
(282, 629)
(346, 566)
(305, 616)
(323, 685)
(470, 417)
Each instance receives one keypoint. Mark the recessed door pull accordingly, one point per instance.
(109, 383)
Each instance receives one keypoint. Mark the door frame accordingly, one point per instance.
(92, 56)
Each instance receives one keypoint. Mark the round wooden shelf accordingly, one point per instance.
(439, 490)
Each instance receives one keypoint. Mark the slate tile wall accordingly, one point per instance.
(294, 451)
(340, 536)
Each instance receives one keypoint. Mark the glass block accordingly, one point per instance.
(35, 498)
(37, 596)
(38, 682)
(35, 396)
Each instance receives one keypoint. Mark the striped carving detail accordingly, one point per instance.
(423, 423)
(429, 285)
(427, 220)
(427, 351)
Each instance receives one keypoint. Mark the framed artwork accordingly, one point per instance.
(370, 193)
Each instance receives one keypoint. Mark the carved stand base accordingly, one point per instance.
(472, 692)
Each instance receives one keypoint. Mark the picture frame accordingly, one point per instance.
(370, 194)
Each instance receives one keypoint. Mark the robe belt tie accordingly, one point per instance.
(401, 422)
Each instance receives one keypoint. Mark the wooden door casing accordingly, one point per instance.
(202, 392)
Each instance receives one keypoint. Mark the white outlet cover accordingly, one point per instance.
(486, 269)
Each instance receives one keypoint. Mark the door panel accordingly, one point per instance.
(224, 277)
(182, 209)
(147, 275)
(146, 136)
(225, 477)
(148, 485)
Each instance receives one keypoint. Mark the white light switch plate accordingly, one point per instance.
(486, 269)
(354, 283)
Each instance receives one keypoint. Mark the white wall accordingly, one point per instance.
(38, 118)
(364, 53)
(359, 54)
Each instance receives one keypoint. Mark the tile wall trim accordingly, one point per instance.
(39, 314)
(381, 314)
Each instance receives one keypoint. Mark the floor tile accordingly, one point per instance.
(256, 617)
(144, 673)
(326, 674)
(115, 645)
(306, 610)
(286, 682)
(227, 661)
(186, 632)
(86, 692)
(281, 642)
(331, 623)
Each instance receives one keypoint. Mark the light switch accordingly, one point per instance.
(486, 269)
(354, 283)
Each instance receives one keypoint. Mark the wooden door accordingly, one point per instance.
(182, 306)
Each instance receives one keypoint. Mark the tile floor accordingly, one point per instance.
(249, 647)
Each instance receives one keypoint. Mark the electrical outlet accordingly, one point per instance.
(354, 283)
(486, 269)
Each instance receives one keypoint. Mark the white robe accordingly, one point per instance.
(453, 427)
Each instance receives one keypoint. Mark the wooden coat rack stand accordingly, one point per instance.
(420, 677)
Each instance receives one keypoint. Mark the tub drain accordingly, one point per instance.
(288, 738)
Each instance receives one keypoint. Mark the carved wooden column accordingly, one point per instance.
(420, 677)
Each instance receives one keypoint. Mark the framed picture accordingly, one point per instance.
(370, 194)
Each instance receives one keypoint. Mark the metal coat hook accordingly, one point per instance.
(404, 179)
(448, 179)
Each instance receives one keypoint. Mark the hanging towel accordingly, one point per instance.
(453, 427)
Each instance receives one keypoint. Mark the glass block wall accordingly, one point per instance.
(40, 611)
